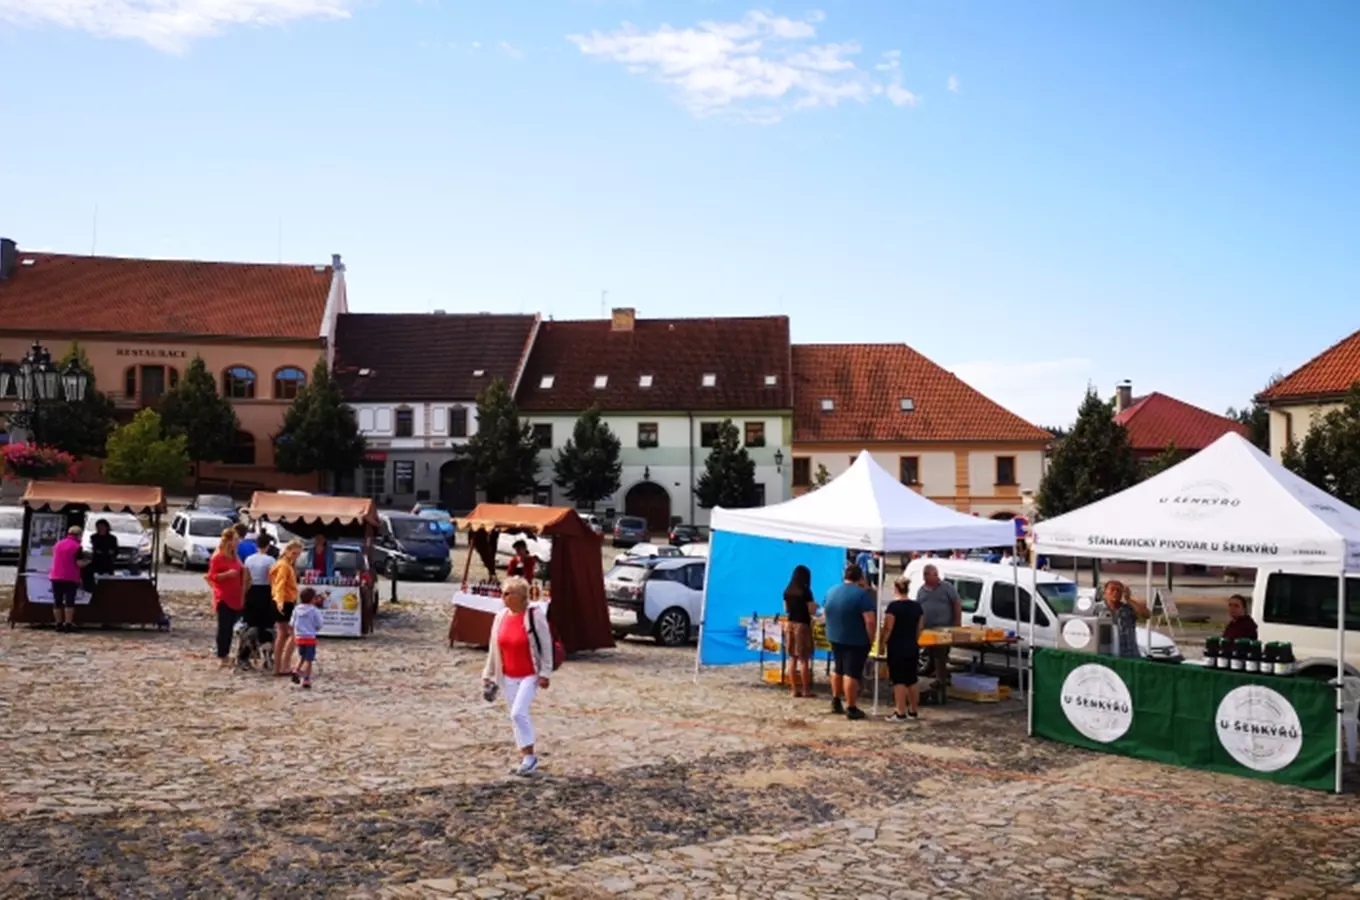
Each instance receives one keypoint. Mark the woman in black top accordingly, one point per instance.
(903, 621)
(799, 607)
(103, 549)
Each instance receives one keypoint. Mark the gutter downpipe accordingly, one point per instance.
(690, 415)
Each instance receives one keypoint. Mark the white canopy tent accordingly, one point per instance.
(867, 508)
(864, 508)
(1228, 505)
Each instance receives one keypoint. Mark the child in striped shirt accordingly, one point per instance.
(307, 624)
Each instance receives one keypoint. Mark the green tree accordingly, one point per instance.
(820, 478)
(588, 466)
(139, 453)
(729, 477)
(1093, 461)
(320, 432)
(503, 453)
(1329, 455)
(1256, 417)
(196, 411)
(81, 428)
(1163, 461)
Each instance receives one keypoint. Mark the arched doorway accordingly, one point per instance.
(652, 502)
(457, 489)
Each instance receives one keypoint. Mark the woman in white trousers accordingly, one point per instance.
(519, 662)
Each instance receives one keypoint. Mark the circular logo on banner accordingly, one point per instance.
(1097, 702)
(1259, 728)
(1201, 499)
(1077, 633)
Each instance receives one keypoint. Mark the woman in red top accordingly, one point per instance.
(226, 577)
(522, 563)
(519, 662)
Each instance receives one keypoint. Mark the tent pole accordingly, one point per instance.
(1029, 656)
(1340, 665)
(1015, 579)
(878, 627)
(703, 604)
(1147, 650)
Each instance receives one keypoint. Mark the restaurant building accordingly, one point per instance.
(260, 329)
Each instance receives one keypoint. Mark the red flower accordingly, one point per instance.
(37, 461)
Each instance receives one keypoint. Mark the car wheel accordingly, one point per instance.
(165, 555)
(620, 635)
(672, 628)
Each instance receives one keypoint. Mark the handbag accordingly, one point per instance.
(559, 652)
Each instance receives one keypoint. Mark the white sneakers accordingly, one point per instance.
(527, 766)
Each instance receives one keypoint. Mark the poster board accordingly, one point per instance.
(44, 530)
(342, 612)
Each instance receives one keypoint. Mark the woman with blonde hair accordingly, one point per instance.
(226, 577)
(519, 662)
(284, 588)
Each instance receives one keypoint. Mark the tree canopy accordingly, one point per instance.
(139, 453)
(1093, 461)
(729, 476)
(588, 467)
(196, 411)
(1329, 455)
(320, 432)
(503, 453)
(1256, 416)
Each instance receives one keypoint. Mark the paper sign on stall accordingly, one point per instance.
(341, 611)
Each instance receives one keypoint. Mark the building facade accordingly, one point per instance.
(1310, 392)
(663, 386)
(260, 330)
(413, 382)
(941, 437)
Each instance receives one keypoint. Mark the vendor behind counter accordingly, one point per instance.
(1240, 625)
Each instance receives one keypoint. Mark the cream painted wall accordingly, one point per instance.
(1303, 415)
(982, 470)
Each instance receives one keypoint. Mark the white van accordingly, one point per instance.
(1301, 608)
(988, 594)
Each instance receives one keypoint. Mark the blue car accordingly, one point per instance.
(411, 547)
(215, 504)
(441, 518)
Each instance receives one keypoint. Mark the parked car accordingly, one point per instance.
(685, 534)
(988, 593)
(192, 537)
(657, 597)
(1301, 609)
(11, 533)
(699, 551)
(539, 548)
(595, 522)
(277, 532)
(134, 538)
(441, 518)
(644, 551)
(349, 560)
(630, 530)
(411, 547)
(215, 504)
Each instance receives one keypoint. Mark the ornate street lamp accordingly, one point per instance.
(37, 380)
(779, 460)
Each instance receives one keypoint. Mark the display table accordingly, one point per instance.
(116, 600)
(1270, 727)
(472, 618)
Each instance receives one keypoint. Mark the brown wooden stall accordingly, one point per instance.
(116, 600)
(577, 610)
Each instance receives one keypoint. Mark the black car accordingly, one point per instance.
(685, 534)
(411, 547)
(217, 504)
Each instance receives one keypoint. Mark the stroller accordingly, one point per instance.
(252, 646)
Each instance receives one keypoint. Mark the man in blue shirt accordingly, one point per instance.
(245, 545)
(850, 622)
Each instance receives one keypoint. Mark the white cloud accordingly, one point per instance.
(169, 25)
(511, 51)
(1045, 392)
(952, 84)
(759, 67)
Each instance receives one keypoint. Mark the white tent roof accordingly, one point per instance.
(1228, 505)
(868, 509)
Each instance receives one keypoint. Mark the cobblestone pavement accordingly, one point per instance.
(134, 767)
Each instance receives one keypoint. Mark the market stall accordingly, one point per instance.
(752, 551)
(1228, 505)
(343, 574)
(129, 595)
(575, 583)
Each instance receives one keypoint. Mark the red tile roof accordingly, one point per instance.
(867, 384)
(421, 357)
(1330, 373)
(101, 294)
(1156, 420)
(741, 353)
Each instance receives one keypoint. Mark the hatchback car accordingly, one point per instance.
(216, 504)
(660, 597)
(629, 530)
(411, 547)
(192, 537)
(134, 539)
(685, 534)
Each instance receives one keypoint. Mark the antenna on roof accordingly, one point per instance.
(94, 230)
(604, 310)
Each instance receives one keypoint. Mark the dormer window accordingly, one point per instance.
(710, 379)
(771, 380)
(601, 382)
(906, 404)
(545, 383)
(828, 404)
(644, 381)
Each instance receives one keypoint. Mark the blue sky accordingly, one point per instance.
(1034, 194)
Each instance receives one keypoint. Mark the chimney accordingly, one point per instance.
(623, 319)
(1123, 396)
(336, 264)
(9, 255)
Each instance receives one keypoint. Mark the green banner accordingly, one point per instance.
(1278, 729)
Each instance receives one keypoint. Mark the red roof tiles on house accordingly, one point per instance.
(1330, 373)
(867, 385)
(659, 364)
(1156, 420)
(100, 294)
(410, 358)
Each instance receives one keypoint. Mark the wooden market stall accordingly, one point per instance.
(128, 596)
(575, 587)
(349, 525)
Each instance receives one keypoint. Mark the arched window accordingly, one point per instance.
(242, 452)
(288, 381)
(238, 383)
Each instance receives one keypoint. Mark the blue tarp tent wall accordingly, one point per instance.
(747, 574)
